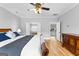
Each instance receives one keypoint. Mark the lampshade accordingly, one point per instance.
(19, 30)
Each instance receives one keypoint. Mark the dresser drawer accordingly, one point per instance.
(77, 44)
(72, 49)
(72, 41)
(77, 52)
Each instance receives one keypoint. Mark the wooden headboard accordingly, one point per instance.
(4, 30)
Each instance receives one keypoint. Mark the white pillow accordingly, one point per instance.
(10, 34)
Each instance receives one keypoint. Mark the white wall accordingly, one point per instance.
(70, 21)
(8, 20)
(43, 21)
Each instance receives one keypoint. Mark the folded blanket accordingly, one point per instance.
(44, 50)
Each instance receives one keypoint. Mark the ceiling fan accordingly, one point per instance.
(38, 7)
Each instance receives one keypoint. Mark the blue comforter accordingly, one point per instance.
(3, 37)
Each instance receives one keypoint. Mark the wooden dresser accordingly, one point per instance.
(71, 42)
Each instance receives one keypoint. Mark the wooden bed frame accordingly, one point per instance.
(5, 30)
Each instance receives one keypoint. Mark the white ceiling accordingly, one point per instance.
(20, 9)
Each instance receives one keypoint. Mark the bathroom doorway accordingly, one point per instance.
(55, 30)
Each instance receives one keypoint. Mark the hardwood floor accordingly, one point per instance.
(56, 49)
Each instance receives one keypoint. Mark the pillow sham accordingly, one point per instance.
(16, 33)
(10, 34)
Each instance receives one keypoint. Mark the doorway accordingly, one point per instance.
(55, 30)
(33, 28)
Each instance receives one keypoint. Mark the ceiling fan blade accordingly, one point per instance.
(44, 8)
(32, 4)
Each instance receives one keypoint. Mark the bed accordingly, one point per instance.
(20, 45)
(2, 34)
(4, 29)
(4, 40)
(33, 47)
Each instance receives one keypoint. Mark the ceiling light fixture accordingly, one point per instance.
(38, 8)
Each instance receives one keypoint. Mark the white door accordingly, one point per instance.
(58, 31)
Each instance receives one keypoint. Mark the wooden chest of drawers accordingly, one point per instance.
(71, 42)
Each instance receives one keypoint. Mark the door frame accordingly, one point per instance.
(28, 27)
(57, 30)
